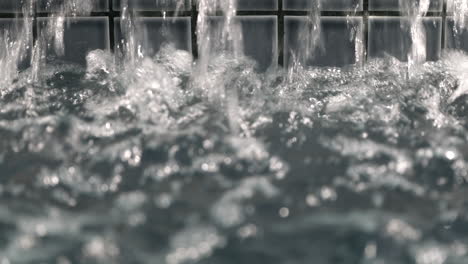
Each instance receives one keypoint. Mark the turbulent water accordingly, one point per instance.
(110, 164)
(168, 159)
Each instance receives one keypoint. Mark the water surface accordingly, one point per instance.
(147, 162)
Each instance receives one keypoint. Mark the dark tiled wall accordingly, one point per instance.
(270, 28)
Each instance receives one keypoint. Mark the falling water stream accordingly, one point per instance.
(415, 11)
(170, 159)
(310, 34)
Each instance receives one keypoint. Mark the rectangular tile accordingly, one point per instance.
(450, 5)
(393, 5)
(11, 24)
(259, 38)
(81, 36)
(54, 5)
(156, 31)
(337, 42)
(455, 4)
(391, 35)
(10, 6)
(154, 5)
(14, 27)
(455, 38)
(257, 4)
(326, 5)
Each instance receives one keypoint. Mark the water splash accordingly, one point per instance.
(53, 29)
(309, 35)
(217, 35)
(15, 43)
(14, 46)
(460, 19)
(131, 46)
(62, 12)
(460, 14)
(144, 146)
(415, 10)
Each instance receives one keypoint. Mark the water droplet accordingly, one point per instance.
(328, 193)
(247, 231)
(370, 251)
(450, 155)
(163, 200)
(283, 212)
(312, 200)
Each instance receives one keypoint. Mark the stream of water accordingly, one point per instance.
(171, 159)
